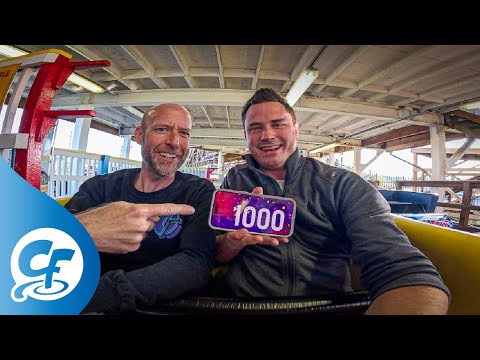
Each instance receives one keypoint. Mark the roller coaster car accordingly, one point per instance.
(349, 303)
(455, 254)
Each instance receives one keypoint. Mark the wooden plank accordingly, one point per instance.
(396, 134)
(466, 115)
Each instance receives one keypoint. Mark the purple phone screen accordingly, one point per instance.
(258, 214)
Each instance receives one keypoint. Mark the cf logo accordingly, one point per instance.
(46, 264)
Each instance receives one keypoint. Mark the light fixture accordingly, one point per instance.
(324, 147)
(85, 83)
(470, 106)
(10, 51)
(306, 78)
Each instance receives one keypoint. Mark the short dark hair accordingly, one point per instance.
(267, 95)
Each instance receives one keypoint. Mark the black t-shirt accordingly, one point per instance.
(176, 257)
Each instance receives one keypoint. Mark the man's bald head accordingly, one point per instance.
(164, 136)
(160, 110)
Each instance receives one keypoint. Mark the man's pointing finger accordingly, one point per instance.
(168, 209)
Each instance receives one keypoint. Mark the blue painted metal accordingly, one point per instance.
(103, 164)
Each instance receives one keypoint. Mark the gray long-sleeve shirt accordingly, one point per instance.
(341, 219)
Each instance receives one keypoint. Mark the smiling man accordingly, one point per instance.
(341, 219)
(150, 225)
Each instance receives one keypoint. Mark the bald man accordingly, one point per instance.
(150, 225)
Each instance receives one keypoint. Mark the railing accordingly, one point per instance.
(69, 169)
(50, 69)
(465, 207)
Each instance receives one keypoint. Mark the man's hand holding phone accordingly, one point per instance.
(260, 214)
(243, 237)
(230, 243)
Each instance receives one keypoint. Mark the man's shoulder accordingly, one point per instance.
(329, 175)
(113, 176)
(238, 168)
(193, 180)
(325, 169)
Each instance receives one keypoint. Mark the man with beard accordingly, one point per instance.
(341, 219)
(150, 225)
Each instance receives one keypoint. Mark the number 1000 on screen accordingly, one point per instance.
(259, 214)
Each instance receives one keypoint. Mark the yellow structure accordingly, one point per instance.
(456, 255)
(62, 201)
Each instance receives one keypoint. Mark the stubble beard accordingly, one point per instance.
(156, 165)
(280, 160)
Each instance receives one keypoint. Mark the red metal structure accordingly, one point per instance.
(38, 118)
(210, 171)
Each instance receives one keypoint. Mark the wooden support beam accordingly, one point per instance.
(395, 134)
(466, 115)
(416, 141)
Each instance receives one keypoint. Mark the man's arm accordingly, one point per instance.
(398, 276)
(410, 300)
(120, 227)
(232, 242)
(187, 270)
(116, 227)
(124, 291)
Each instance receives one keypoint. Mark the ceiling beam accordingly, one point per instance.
(116, 118)
(218, 97)
(232, 143)
(224, 149)
(417, 140)
(114, 69)
(307, 57)
(227, 113)
(442, 68)
(311, 118)
(408, 142)
(221, 80)
(448, 86)
(357, 51)
(193, 71)
(259, 66)
(208, 116)
(214, 97)
(339, 107)
(449, 151)
(238, 134)
(182, 62)
(396, 134)
(386, 69)
(137, 55)
(229, 97)
(263, 74)
(327, 119)
(98, 125)
(466, 115)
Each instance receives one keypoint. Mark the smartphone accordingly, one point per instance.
(259, 214)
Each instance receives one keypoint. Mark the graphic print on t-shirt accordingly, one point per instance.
(168, 226)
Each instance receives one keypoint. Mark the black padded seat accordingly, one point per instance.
(348, 303)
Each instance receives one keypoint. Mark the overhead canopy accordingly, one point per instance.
(379, 96)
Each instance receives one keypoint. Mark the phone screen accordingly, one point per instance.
(259, 214)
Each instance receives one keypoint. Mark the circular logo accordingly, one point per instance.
(46, 264)
(168, 226)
